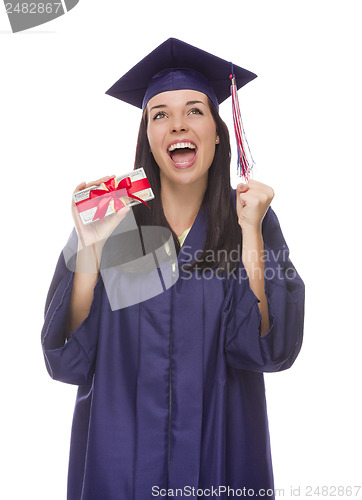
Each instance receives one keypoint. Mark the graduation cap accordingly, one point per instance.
(176, 65)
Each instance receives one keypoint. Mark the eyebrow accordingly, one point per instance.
(189, 103)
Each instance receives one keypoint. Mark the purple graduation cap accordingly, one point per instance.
(176, 65)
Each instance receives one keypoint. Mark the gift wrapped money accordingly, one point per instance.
(96, 202)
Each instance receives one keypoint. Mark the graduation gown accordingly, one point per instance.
(171, 390)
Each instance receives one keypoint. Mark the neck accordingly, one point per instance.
(181, 203)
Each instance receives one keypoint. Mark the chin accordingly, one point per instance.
(182, 176)
(188, 178)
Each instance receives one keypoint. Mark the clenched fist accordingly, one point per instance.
(252, 202)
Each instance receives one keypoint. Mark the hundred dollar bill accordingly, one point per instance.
(87, 207)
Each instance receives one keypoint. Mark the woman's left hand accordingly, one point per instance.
(252, 202)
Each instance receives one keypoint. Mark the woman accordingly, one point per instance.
(171, 390)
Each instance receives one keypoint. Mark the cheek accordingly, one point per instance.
(156, 147)
(210, 140)
(149, 137)
(154, 139)
(209, 133)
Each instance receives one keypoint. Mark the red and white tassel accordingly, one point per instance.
(245, 160)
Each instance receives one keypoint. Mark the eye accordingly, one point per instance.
(195, 111)
(160, 114)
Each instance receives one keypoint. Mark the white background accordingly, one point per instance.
(302, 118)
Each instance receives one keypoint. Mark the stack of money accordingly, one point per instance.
(87, 205)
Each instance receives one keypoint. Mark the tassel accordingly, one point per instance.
(245, 160)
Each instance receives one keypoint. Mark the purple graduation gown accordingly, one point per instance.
(171, 390)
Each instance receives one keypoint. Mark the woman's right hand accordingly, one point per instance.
(97, 232)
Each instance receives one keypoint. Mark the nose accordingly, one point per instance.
(178, 124)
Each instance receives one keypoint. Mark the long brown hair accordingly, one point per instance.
(223, 232)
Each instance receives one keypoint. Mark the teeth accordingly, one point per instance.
(181, 145)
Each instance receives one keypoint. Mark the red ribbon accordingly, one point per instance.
(110, 193)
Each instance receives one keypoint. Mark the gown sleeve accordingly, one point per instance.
(71, 361)
(284, 289)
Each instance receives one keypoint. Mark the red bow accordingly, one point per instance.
(110, 193)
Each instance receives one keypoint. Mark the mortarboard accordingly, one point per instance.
(176, 65)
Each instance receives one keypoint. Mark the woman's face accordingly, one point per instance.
(182, 135)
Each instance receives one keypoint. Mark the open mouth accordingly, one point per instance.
(182, 154)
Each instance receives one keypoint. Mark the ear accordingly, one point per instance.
(217, 139)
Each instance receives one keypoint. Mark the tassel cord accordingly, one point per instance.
(244, 163)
